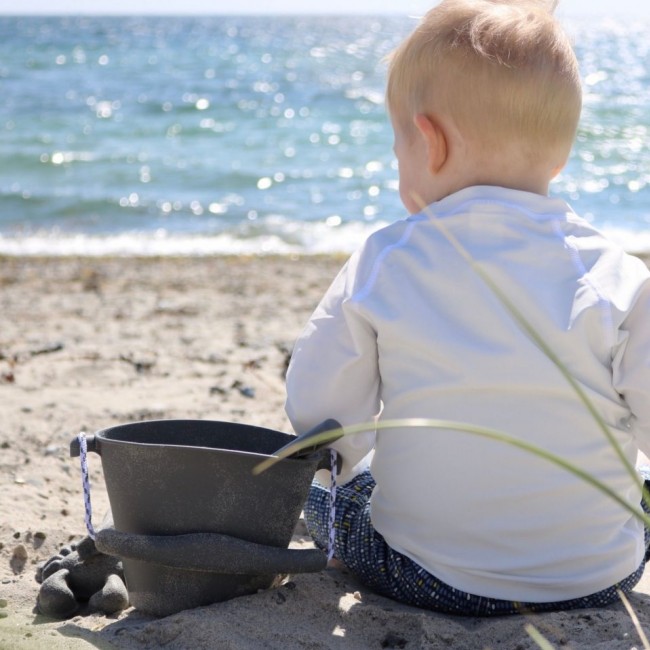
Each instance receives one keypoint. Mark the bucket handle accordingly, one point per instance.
(303, 449)
(209, 552)
(331, 461)
(91, 445)
(80, 446)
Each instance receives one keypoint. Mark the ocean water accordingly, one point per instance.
(129, 135)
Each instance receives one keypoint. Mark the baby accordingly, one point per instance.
(484, 98)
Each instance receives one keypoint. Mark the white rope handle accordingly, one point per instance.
(85, 482)
(332, 518)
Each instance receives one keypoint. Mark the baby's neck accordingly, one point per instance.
(535, 186)
(502, 171)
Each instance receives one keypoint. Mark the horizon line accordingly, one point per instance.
(604, 13)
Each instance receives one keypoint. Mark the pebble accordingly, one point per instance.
(245, 391)
(18, 559)
(112, 598)
(20, 552)
(55, 598)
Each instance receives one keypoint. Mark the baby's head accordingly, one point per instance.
(501, 74)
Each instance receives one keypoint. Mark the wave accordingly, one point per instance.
(284, 238)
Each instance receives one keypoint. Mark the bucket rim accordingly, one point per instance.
(106, 440)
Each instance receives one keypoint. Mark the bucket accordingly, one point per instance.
(192, 523)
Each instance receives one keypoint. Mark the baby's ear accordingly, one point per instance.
(557, 169)
(435, 137)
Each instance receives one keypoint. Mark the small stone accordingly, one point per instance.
(3, 602)
(49, 568)
(20, 552)
(112, 598)
(87, 568)
(40, 535)
(39, 572)
(86, 548)
(55, 598)
(245, 391)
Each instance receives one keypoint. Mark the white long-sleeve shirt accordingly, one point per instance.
(409, 328)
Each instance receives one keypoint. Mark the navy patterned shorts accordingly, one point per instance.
(367, 555)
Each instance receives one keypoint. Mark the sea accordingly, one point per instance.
(259, 134)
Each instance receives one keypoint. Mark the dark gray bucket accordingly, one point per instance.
(192, 523)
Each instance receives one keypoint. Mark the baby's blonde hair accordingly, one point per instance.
(503, 70)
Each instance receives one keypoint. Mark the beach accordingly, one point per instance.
(88, 343)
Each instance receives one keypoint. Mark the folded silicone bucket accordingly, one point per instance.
(191, 519)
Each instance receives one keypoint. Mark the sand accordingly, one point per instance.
(89, 343)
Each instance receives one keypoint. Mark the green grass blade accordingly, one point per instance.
(538, 637)
(635, 620)
(483, 432)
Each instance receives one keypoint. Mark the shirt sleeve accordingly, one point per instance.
(334, 372)
(632, 367)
